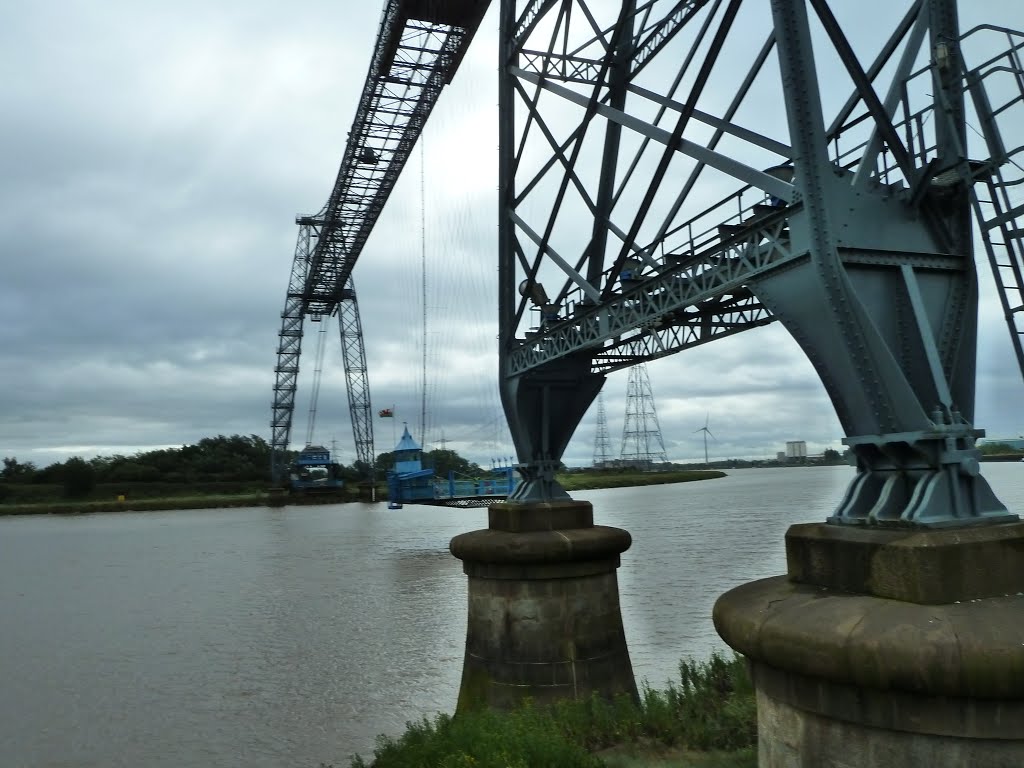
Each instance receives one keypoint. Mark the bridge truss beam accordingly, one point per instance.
(855, 232)
(420, 45)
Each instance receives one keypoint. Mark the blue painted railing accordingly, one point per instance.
(422, 487)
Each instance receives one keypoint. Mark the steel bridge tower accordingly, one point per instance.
(848, 219)
(420, 44)
(641, 434)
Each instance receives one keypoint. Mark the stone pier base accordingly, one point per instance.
(887, 647)
(544, 618)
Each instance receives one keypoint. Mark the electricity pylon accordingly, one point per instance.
(602, 443)
(641, 435)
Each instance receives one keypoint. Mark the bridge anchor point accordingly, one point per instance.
(544, 618)
(888, 646)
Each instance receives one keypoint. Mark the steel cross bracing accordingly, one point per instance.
(853, 230)
(419, 47)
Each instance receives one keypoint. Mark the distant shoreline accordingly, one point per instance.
(571, 482)
(162, 504)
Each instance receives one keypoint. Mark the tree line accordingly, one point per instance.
(234, 459)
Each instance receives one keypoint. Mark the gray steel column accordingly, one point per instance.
(959, 333)
(888, 323)
(506, 190)
(545, 405)
(813, 174)
(618, 80)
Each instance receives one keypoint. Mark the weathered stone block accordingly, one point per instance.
(855, 680)
(932, 566)
(544, 618)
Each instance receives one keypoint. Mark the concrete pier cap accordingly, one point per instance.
(544, 619)
(887, 647)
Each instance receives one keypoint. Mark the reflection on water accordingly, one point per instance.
(289, 637)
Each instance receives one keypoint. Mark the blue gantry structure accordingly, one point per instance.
(410, 483)
(314, 470)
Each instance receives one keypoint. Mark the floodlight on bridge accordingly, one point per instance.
(535, 291)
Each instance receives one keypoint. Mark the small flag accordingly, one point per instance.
(386, 413)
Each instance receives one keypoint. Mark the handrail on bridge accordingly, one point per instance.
(692, 249)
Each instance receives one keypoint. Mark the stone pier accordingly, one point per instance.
(544, 619)
(887, 647)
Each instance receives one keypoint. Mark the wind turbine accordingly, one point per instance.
(706, 432)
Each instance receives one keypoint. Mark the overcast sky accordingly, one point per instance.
(154, 156)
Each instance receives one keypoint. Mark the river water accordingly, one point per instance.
(273, 638)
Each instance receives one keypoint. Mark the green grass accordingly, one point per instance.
(707, 719)
(526, 738)
(655, 758)
(185, 500)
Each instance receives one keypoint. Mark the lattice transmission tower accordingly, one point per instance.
(641, 435)
(602, 443)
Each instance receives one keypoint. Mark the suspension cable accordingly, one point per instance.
(423, 269)
(315, 394)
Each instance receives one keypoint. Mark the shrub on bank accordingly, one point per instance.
(78, 478)
(711, 708)
(526, 738)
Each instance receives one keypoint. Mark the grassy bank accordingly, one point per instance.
(70, 507)
(707, 718)
(586, 481)
(156, 504)
(168, 498)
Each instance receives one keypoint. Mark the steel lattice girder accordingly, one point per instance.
(659, 300)
(578, 327)
(419, 47)
(717, 318)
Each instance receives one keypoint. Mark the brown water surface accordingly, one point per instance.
(272, 638)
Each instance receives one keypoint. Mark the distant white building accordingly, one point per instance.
(1016, 443)
(796, 449)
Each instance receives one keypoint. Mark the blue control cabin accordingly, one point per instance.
(409, 481)
(314, 471)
